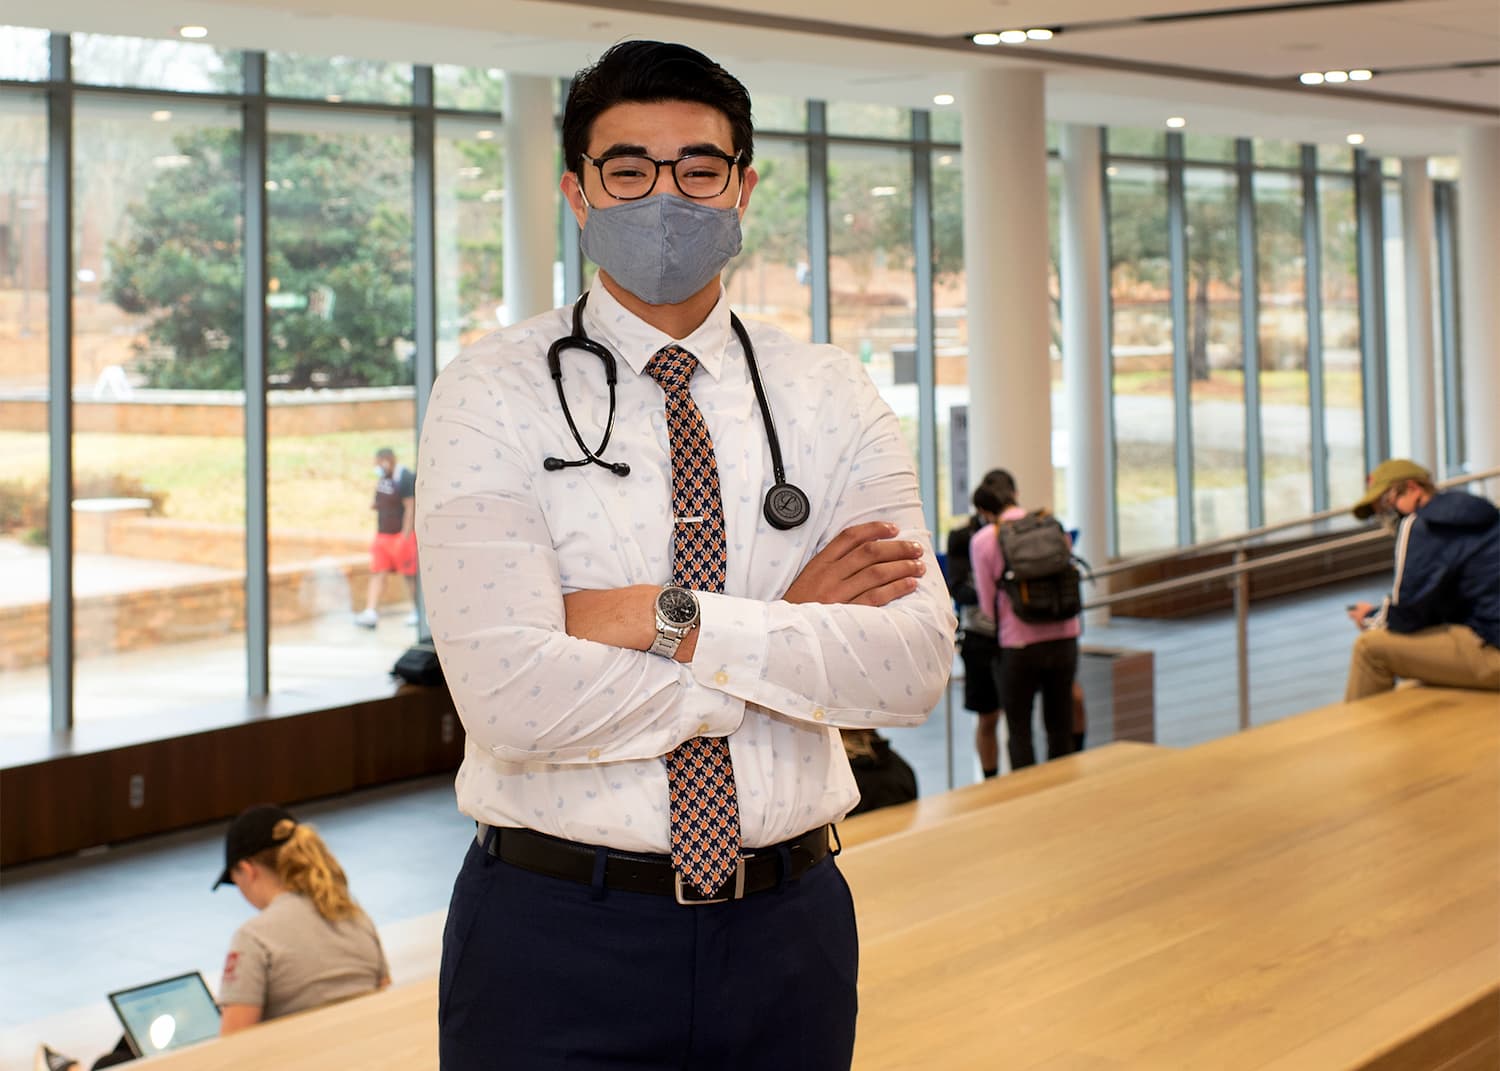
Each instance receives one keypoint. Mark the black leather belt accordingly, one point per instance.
(758, 870)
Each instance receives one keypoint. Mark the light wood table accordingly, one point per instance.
(393, 1030)
(932, 810)
(1321, 893)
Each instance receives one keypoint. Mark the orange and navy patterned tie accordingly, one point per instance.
(702, 803)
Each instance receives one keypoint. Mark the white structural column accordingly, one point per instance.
(1479, 292)
(1417, 237)
(1005, 259)
(1084, 348)
(530, 206)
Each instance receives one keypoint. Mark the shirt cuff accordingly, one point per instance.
(733, 636)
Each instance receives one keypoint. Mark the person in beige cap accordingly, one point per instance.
(1441, 622)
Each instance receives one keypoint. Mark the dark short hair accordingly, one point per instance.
(649, 71)
(1002, 485)
(386, 451)
(985, 499)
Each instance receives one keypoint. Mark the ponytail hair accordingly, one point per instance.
(305, 865)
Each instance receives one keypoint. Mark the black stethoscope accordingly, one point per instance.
(785, 507)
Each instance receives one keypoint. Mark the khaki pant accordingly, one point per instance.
(1450, 656)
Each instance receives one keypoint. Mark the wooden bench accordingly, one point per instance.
(1316, 894)
(930, 810)
(394, 1030)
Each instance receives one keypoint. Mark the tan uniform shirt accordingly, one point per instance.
(288, 958)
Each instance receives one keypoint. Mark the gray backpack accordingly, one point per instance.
(1041, 576)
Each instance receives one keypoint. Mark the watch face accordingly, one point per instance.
(677, 606)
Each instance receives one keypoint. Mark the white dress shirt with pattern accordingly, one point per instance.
(564, 735)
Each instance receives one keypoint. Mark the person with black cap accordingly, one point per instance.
(1441, 622)
(309, 945)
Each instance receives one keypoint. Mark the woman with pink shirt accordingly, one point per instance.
(1039, 656)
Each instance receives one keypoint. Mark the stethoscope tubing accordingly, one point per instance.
(786, 506)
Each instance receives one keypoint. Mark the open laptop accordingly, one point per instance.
(168, 1014)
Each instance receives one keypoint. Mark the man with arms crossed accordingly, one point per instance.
(1441, 622)
(652, 674)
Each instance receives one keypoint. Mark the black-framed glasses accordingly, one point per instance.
(701, 175)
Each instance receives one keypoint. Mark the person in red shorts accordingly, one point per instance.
(395, 546)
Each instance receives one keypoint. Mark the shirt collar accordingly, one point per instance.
(635, 342)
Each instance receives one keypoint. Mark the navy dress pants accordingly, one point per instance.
(540, 973)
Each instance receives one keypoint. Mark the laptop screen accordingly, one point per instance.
(168, 1014)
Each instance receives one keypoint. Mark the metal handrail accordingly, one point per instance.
(1162, 587)
(1239, 573)
(1243, 539)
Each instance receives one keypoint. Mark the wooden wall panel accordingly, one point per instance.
(72, 802)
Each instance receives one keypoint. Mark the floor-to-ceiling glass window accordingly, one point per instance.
(341, 374)
(1284, 415)
(24, 558)
(158, 404)
(1343, 377)
(1141, 350)
(1397, 354)
(1216, 356)
(470, 212)
(951, 345)
(771, 279)
(1063, 468)
(870, 271)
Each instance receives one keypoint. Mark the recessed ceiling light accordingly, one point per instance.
(333, 98)
(882, 191)
(161, 115)
(1040, 33)
(1355, 139)
(1336, 77)
(1012, 37)
(1111, 170)
(943, 99)
(1361, 74)
(1312, 78)
(945, 160)
(986, 39)
(1176, 122)
(484, 135)
(192, 33)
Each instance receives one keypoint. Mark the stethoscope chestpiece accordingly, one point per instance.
(786, 506)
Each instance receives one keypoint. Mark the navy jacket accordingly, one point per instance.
(1448, 567)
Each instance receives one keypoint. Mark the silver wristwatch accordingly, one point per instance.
(676, 616)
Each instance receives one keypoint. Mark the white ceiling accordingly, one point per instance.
(1233, 74)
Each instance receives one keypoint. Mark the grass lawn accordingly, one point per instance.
(1276, 387)
(320, 483)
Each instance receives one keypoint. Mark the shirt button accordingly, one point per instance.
(702, 728)
(721, 677)
(593, 753)
(819, 714)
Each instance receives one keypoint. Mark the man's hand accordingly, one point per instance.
(863, 565)
(1358, 612)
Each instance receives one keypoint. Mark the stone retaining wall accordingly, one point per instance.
(197, 413)
(181, 613)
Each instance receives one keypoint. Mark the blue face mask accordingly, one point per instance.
(663, 249)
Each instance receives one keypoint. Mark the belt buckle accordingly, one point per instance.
(688, 896)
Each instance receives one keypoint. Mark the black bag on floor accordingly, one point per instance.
(884, 777)
(419, 665)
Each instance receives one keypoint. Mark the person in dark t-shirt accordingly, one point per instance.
(395, 547)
